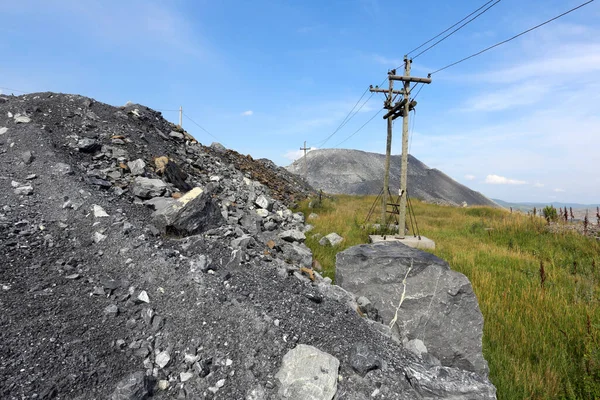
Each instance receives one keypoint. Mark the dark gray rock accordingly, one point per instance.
(136, 386)
(27, 157)
(194, 213)
(363, 359)
(307, 373)
(88, 145)
(146, 188)
(297, 254)
(439, 307)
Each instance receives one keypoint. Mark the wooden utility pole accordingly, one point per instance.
(181, 116)
(400, 108)
(305, 166)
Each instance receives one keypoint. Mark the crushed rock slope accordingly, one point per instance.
(97, 303)
(340, 171)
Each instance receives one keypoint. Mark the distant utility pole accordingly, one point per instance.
(181, 116)
(401, 108)
(305, 166)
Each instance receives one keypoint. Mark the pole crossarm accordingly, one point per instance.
(409, 79)
(386, 91)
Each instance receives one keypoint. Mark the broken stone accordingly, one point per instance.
(185, 376)
(88, 145)
(162, 359)
(194, 213)
(61, 169)
(22, 119)
(99, 211)
(176, 135)
(137, 167)
(24, 190)
(333, 239)
(292, 235)
(147, 188)
(362, 359)
(263, 202)
(135, 386)
(308, 373)
(27, 157)
(98, 237)
(112, 310)
(3, 130)
(143, 297)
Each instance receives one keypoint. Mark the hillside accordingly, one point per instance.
(136, 262)
(358, 172)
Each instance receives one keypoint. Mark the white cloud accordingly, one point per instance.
(247, 113)
(559, 190)
(469, 177)
(501, 180)
(538, 185)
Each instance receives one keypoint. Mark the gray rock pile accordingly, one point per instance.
(143, 264)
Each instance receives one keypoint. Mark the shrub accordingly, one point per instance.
(550, 213)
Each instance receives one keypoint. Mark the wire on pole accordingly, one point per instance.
(359, 129)
(456, 30)
(511, 38)
(200, 126)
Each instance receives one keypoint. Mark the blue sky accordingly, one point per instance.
(520, 123)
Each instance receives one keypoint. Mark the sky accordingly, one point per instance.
(519, 123)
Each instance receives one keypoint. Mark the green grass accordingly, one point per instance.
(541, 343)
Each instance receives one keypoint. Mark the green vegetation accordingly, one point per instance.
(539, 291)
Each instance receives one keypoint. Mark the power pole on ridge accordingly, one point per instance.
(305, 166)
(181, 116)
(400, 108)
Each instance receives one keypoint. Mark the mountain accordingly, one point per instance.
(358, 172)
(136, 262)
(528, 206)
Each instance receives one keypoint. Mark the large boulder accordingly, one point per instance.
(193, 213)
(439, 306)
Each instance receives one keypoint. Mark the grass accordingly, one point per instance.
(540, 343)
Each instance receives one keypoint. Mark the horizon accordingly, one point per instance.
(518, 123)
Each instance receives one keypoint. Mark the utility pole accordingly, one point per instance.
(305, 166)
(400, 108)
(181, 116)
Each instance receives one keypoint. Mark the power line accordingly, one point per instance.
(13, 90)
(456, 30)
(418, 91)
(347, 119)
(441, 33)
(512, 38)
(359, 129)
(163, 110)
(200, 126)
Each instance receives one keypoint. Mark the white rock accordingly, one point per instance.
(98, 237)
(22, 119)
(262, 212)
(215, 178)
(136, 167)
(333, 239)
(15, 184)
(163, 384)
(416, 346)
(3, 131)
(185, 376)
(308, 373)
(220, 383)
(162, 359)
(99, 211)
(143, 297)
